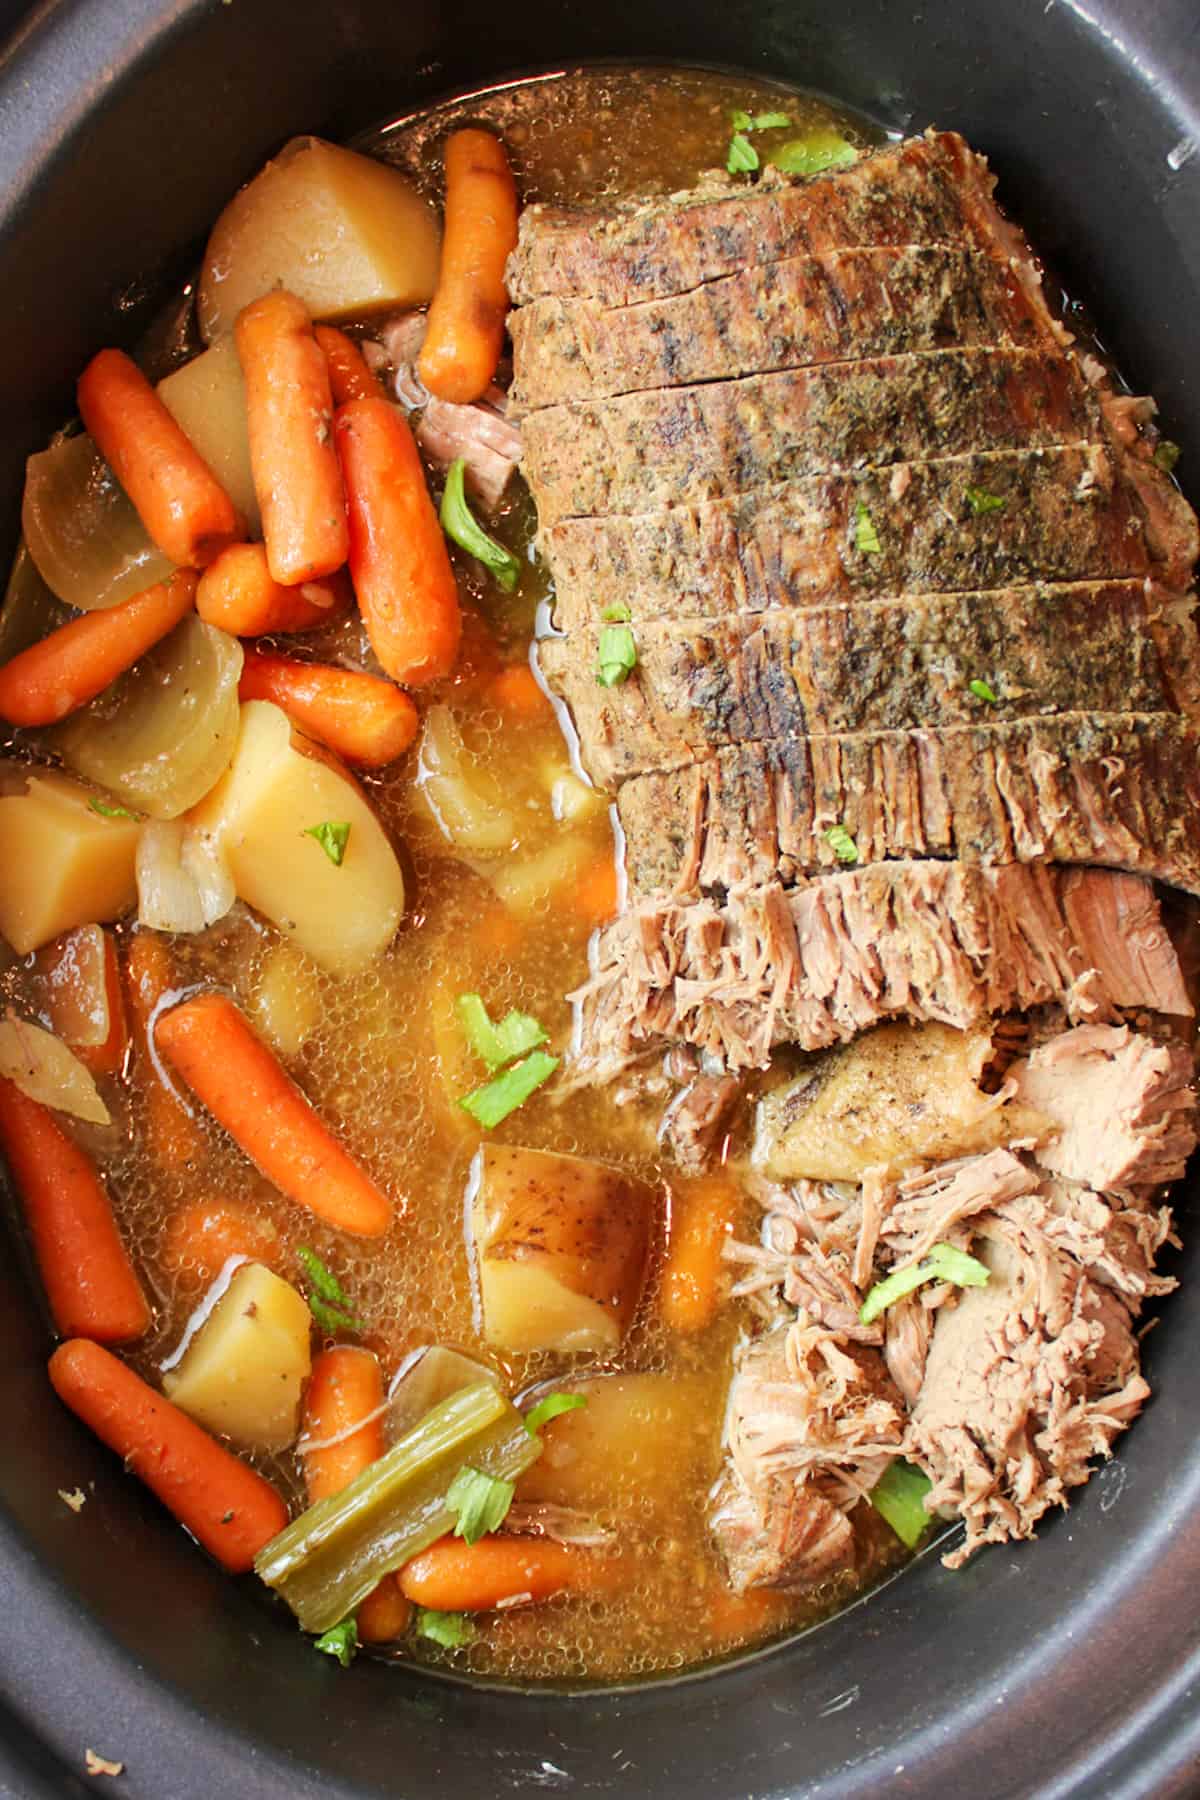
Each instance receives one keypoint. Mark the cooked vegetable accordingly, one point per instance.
(207, 400)
(44, 1069)
(517, 690)
(239, 593)
(366, 721)
(453, 1577)
(201, 1238)
(64, 865)
(222, 1501)
(980, 501)
(461, 526)
(982, 691)
(450, 1630)
(434, 1375)
(241, 1375)
(816, 150)
(866, 538)
(289, 414)
(183, 884)
(742, 157)
(561, 1246)
(897, 1095)
(79, 976)
(466, 317)
(479, 1503)
(286, 1003)
(343, 1420)
(277, 786)
(89, 1280)
(78, 661)
(616, 656)
(398, 560)
(899, 1497)
(163, 734)
(333, 835)
(842, 844)
(704, 1215)
(177, 497)
(340, 1641)
(490, 1105)
(82, 532)
(944, 1263)
(385, 1614)
(330, 1558)
(329, 1303)
(346, 234)
(516, 1033)
(597, 893)
(349, 376)
(232, 1071)
(552, 1406)
(463, 802)
(174, 1136)
(29, 611)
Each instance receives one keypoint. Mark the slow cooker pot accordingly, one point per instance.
(1065, 1667)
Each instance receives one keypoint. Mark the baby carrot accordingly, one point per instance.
(596, 891)
(703, 1217)
(515, 690)
(384, 1615)
(178, 498)
(229, 1068)
(454, 1576)
(72, 665)
(466, 316)
(398, 559)
(346, 1385)
(231, 1510)
(88, 1277)
(367, 721)
(239, 593)
(200, 1239)
(289, 413)
(349, 376)
(174, 1137)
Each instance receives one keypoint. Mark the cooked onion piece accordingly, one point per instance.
(242, 1372)
(88, 543)
(183, 882)
(163, 735)
(30, 611)
(41, 1066)
(464, 805)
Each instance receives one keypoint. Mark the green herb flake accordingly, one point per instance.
(616, 655)
(843, 845)
(515, 1035)
(450, 1630)
(899, 1497)
(333, 835)
(552, 1406)
(616, 613)
(944, 1263)
(743, 157)
(866, 538)
(741, 121)
(106, 811)
(813, 153)
(491, 1104)
(480, 1503)
(768, 121)
(340, 1641)
(982, 691)
(329, 1302)
(332, 1318)
(463, 528)
(980, 501)
(1166, 455)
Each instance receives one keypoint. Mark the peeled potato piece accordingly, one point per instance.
(345, 233)
(64, 863)
(242, 1374)
(207, 399)
(278, 788)
(561, 1246)
(89, 545)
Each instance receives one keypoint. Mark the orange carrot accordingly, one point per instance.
(200, 1239)
(731, 1618)
(704, 1216)
(596, 892)
(289, 413)
(85, 1270)
(178, 498)
(239, 593)
(175, 1139)
(368, 722)
(466, 318)
(384, 1615)
(454, 1576)
(74, 968)
(346, 1385)
(398, 559)
(515, 690)
(349, 376)
(228, 1067)
(72, 665)
(231, 1510)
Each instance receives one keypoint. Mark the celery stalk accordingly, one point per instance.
(326, 1562)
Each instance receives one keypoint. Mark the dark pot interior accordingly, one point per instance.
(1064, 1667)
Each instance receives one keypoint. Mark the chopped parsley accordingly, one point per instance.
(616, 613)
(768, 121)
(463, 528)
(491, 1104)
(866, 538)
(743, 157)
(1166, 455)
(842, 844)
(899, 1497)
(515, 1035)
(449, 1629)
(106, 811)
(340, 1641)
(550, 1407)
(944, 1263)
(616, 655)
(813, 153)
(479, 1502)
(982, 691)
(329, 1302)
(980, 501)
(333, 835)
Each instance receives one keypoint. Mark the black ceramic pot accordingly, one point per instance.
(1067, 1667)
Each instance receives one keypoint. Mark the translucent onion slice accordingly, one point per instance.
(41, 1066)
(182, 881)
(87, 541)
(161, 736)
(30, 611)
(462, 802)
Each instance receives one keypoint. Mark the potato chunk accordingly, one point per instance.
(242, 1374)
(277, 789)
(64, 863)
(286, 1003)
(561, 1247)
(346, 233)
(207, 399)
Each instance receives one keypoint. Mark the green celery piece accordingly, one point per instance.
(815, 151)
(325, 1563)
(490, 1104)
(944, 1263)
(460, 524)
(516, 1033)
(898, 1496)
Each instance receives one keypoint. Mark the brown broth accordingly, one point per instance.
(386, 1063)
